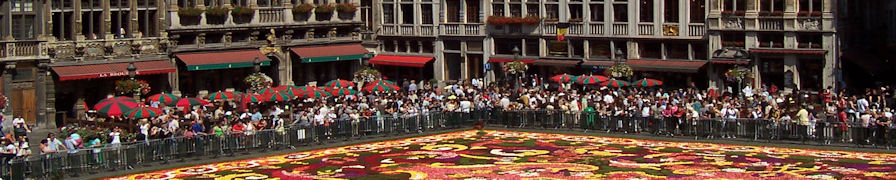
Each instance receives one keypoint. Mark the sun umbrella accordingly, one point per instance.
(648, 83)
(614, 83)
(277, 97)
(381, 87)
(285, 87)
(383, 81)
(590, 79)
(342, 91)
(252, 98)
(190, 102)
(309, 88)
(562, 78)
(115, 106)
(315, 93)
(290, 90)
(143, 112)
(221, 95)
(340, 83)
(163, 98)
(267, 90)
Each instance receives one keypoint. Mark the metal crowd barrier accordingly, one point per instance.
(179, 149)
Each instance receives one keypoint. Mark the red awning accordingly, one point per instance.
(324, 53)
(505, 60)
(111, 70)
(561, 63)
(788, 51)
(666, 65)
(222, 59)
(406, 61)
(598, 63)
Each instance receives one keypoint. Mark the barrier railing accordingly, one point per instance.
(81, 162)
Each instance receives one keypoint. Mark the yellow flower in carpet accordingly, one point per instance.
(542, 161)
(876, 174)
(478, 147)
(326, 172)
(722, 163)
(594, 176)
(299, 163)
(245, 176)
(481, 171)
(352, 154)
(458, 176)
(751, 154)
(242, 170)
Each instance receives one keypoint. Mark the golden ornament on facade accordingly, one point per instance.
(670, 30)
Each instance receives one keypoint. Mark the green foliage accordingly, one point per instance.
(242, 11)
(216, 11)
(302, 9)
(346, 8)
(324, 8)
(189, 12)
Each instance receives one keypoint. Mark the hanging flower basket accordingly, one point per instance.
(302, 9)
(620, 70)
(216, 15)
(346, 8)
(366, 75)
(127, 87)
(515, 67)
(258, 81)
(738, 74)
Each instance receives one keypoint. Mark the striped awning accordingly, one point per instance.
(406, 61)
(222, 59)
(326, 53)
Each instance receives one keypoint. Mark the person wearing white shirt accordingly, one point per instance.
(608, 99)
(505, 102)
(862, 104)
(465, 105)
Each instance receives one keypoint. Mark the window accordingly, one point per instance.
(770, 40)
(621, 46)
(62, 25)
(578, 47)
(810, 5)
(698, 8)
(452, 45)
(506, 45)
(120, 13)
(532, 9)
(23, 26)
(246, 2)
(426, 11)
(552, 11)
(516, 10)
(427, 46)
(575, 12)
(24, 73)
(597, 12)
(452, 14)
(388, 46)
(620, 13)
(558, 48)
(646, 11)
(266, 3)
(676, 50)
(473, 11)
(388, 14)
(734, 5)
(700, 51)
(671, 11)
(498, 9)
(209, 3)
(146, 20)
(733, 39)
(532, 47)
(474, 46)
(407, 13)
(600, 49)
(180, 3)
(771, 6)
(650, 50)
(92, 20)
(811, 40)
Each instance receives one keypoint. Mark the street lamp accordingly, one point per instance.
(516, 53)
(361, 61)
(132, 70)
(619, 55)
(256, 64)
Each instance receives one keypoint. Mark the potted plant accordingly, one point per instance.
(803, 13)
(216, 15)
(242, 15)
(739, 13)
(727, 13)
(620, 70)
(738, 74)
(323, 12)
(130, 87)
(531, 20)
(575, 20)
(346, 10)
(366, 75)
(777, 13)
(258, 81)
(765, 13)
(496, 20)
(302, 11)
(815, 14)
(189, 15)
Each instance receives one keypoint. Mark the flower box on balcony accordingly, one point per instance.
(727, 13)
(242, 15)
(302, 12)
(575, 20)
(501, 20)
(346, 10)
(732, 44)
(189, 16)
(809, 45)
(216, 15)
(323, 12)
(739, 13)
(808, 13)
(815, 14)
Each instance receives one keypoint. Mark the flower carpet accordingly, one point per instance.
(523, 155)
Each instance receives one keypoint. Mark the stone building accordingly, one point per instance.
(62, 55)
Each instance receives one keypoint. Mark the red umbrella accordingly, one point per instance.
(289, 89)
(590, 79)
(252, 98)
(614, 83)
(341, 91)
(277, 97)
(190, 102)
(143, 112)
(340, 83)
(562, 78)
(380, 87)
(163, 98)
(115, 106)
(221, 95)
(648, 82)
(268, 90)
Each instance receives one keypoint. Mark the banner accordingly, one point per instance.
(561, 31)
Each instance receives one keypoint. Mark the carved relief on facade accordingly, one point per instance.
(121, 48)
(61, 51)
(809, 24)
(733, 23)
(93, 49)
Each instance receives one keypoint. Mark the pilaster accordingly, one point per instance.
(9, 69)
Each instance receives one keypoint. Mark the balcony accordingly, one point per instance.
(620, 29)
(549, 28)
(105, 48)
(808, 23)
(771, 23)
(20, 49)
(407, 30)
(645, 29)
(696, 30)
(262, 16)
(575, 28)
(596, 29)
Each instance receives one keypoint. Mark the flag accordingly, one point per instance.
(561, 31)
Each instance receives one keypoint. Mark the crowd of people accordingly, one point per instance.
(869, 108)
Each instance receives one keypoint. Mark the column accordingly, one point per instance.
(757, 77)
(633, 52)
(132, 16)
(40, 89)
(51, 101)
(76, 17)
(287, 78)
(790, 64)
(174, 79)
(439, 64)
(7, 86)
(106, 30)
(464, 64)
(830, 61)
(587, 49)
